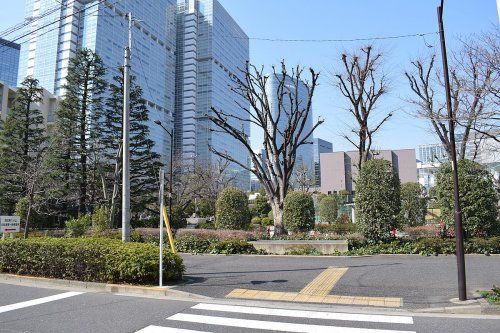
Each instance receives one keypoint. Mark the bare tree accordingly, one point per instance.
(303, 178)
(472, 88)
(362, 83)
(283, 132)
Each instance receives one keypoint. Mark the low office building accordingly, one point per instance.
(47, 106)
(320, 147)
(338, 169)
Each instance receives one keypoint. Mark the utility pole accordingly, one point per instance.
(126, 139)
(162, 186)
(462, 288)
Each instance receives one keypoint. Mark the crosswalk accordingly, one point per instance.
(214, 318)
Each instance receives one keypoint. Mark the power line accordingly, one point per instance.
(336, 40)
(56, 21)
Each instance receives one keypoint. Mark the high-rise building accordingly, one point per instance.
(60, 28)
(211, 48)
(320, 146)
(9, 62)
(305, 153)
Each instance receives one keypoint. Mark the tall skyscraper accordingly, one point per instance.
(211, 48)
(305, 153)
(320, 146)
(102, 26)
(9, 62)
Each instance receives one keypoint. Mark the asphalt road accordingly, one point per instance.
(422, 282)
(28, 309)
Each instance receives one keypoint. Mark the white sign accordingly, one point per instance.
(9, 224)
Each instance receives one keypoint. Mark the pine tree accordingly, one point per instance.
(144, 162)
(76, 151)
(22, 140)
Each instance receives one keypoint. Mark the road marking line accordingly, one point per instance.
(160, 329)
(390, 302)
(274, 326)
(38, 301)
(305, 314)
(324, 283)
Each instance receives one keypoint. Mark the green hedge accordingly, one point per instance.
(298, 212)
(428, 246)
(199, 244)
(88, 259)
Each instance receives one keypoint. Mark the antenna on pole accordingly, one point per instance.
(126, 138)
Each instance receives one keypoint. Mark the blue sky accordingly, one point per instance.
(346, 19)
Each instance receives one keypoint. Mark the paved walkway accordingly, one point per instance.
(389, 281)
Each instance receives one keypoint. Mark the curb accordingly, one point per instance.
(99, 287)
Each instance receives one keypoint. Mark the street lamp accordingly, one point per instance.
(171, 134)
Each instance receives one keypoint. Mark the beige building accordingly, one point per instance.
(47, 107)
(338, 169)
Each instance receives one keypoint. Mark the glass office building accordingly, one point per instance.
(102, 26)
(210, 49)
(9, 62)
(305, 153)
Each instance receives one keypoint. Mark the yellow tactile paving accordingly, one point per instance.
(303, 298)
(318, 291)
(324, 283)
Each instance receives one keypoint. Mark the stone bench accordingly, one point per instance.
(283, 246)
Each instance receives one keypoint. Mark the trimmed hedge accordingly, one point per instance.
(298, 212)
(231, 210)
(88, 259)
(428, 246)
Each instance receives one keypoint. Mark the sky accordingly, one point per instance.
(347, 19)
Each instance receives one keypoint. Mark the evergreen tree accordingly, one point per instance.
(76, 150)
(144, 162)
(22, 140)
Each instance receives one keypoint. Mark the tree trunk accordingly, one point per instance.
(278, 218)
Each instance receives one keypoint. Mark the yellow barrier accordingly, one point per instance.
(169, 231)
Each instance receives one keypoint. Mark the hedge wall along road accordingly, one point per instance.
(88, 259)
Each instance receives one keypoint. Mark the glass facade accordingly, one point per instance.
(210, 49)
(9, 62)
(305, 153)
(103, 28)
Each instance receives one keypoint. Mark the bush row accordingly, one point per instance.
(88, 259)
(427, 246)
(198, 244)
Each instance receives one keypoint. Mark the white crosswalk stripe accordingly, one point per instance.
(215, 317)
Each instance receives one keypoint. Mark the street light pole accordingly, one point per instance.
(170, 186)
(126, 139)
(462, 288)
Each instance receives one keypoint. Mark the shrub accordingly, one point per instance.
(192, 244)
(256, 220)
(304, 251)
(88, 259)
(232, 246)
(478, 198)
(266, 222)
(328, 209)
(432, 230)
(77, 227)
(205, 225)
(260, 206)
(100, 220)
(377, 200)
(298, 212)
(413, 205)
(232, 210)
